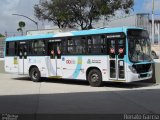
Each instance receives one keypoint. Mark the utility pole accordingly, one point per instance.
(36, 23)
(159, 39)
(152, 22)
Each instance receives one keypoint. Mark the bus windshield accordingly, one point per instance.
(139, 46)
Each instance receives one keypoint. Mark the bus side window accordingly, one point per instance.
(96, 45)
(103, 45)
(38, 47)
(52, 52)
(71, 46)
(89, 49)
(121, 48)
(112, 49)
(89, 41)
(80, 45)
(25, 52)
(11, 49)
(7, 48)
(20, 52)
(59, 52)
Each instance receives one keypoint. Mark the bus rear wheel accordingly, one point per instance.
(95, 78)
(35, 74)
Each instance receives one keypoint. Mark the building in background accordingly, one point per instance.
(138, 20)
(2, 44)
(53, 30)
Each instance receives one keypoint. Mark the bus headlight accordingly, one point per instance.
(132, 69)
(150, 69)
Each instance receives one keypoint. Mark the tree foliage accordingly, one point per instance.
(1, 35)
(81, 13)
(54, 10)
(22, 24)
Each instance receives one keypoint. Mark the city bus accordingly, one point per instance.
(106, 54)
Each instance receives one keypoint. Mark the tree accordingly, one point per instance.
(54, 10)
(79, 12)
(1, 35)
(21, 26)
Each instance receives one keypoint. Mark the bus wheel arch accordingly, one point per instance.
(94, 76)
(34, 73)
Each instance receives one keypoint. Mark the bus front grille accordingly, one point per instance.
(142, 68)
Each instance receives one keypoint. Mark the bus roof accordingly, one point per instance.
(72, 33)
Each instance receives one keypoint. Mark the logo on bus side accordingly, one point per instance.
(89, 61)
(93, 61)
(70, 62)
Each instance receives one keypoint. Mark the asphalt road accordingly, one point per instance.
(20, 95)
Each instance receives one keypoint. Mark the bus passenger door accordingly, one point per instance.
(22, 63)
(116, 59)
(55, 68)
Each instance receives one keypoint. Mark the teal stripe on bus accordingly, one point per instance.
(72, 33)
(97, 31)
(29, 37)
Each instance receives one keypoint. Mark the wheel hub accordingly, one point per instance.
(35, 74)
(94, 78)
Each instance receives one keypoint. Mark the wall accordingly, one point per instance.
(138, 20)
(156, 75)
(2, 47)
(2, 66)
(124, 21)
(157, 32)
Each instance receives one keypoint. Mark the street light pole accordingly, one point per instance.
(152, 22)
(28, 18)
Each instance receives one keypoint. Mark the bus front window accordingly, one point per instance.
(139, 49)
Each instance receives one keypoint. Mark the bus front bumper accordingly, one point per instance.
(131, 77)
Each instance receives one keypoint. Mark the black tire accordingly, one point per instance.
(35, 74)
(95, 78)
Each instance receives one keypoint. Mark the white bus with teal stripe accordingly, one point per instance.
(97, 55)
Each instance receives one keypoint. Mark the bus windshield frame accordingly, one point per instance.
(139, 46)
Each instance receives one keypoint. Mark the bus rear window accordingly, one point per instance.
(11, 49)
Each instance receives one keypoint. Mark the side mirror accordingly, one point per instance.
(154, 55)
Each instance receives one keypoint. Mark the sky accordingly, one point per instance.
(145, 6)
(9, 22)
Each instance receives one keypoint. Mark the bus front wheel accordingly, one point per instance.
(95, 78)
(35, 74)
